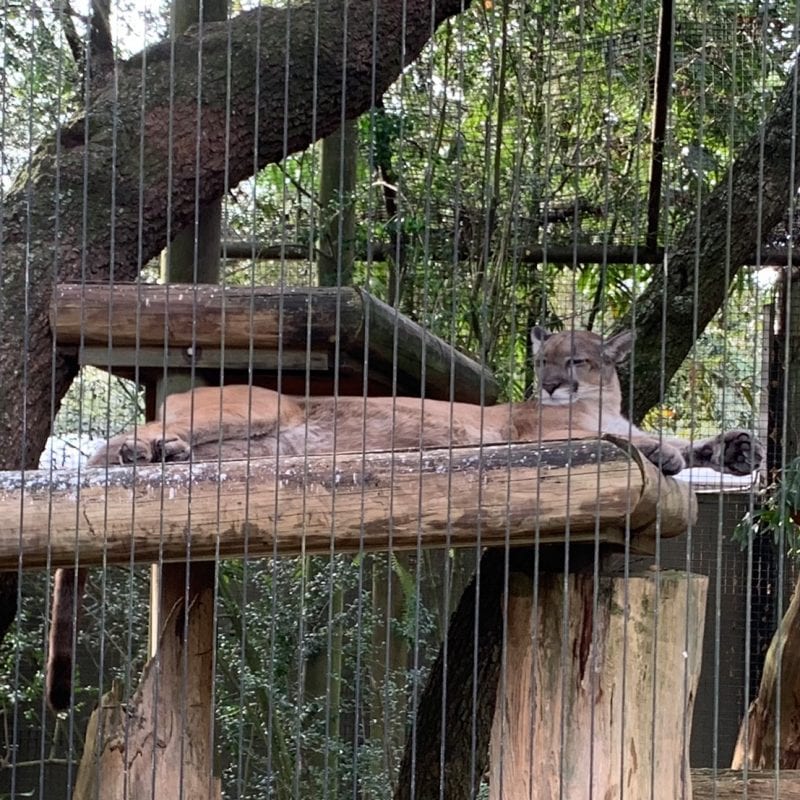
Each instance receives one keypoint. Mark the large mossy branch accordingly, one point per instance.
(180, 124)
(731, 223)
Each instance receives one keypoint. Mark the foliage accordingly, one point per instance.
(778, 516)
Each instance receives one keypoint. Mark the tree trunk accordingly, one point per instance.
(696, 280)
(765, 740)
(159, 744)
(123, 143)
(763, 744)
(459, 698)
(388, 702)
(597, 687)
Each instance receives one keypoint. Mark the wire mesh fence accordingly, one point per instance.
(424, 542)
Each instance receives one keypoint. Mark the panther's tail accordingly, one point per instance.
(67, 601)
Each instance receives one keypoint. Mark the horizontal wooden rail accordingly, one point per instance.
(375, 501)
(728, 784)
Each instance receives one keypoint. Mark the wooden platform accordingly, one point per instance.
(307, 339)
(460, 498)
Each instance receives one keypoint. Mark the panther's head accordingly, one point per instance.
(578, 365)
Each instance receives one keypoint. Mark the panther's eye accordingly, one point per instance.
(576, 362)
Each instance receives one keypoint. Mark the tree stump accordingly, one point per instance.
(159, 744)
(594, 702)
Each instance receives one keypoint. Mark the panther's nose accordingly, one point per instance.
(550, 386)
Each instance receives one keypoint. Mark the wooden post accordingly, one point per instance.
(159, 744)
(606, 711)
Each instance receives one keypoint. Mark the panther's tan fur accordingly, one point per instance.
(579, 396)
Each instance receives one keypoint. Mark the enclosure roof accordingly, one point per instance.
(315, 340)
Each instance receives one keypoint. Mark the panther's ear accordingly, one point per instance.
(538, 337)
(618, 347)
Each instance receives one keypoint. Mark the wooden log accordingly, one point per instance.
(764, 737)
(578, 491)
(729, 784)
(596, 695)
(121, 323)
(159, 743)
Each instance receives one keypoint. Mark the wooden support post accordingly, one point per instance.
(160, 744)
(606, 711)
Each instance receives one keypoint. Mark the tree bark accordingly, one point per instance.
(96, 199)
(597, 687)
(763, 743)
(728, 228)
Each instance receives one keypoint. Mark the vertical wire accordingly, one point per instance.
(424, 320)
(140, 205)
(216, 594)
(791, 206)
(514, 232)
(565, 582)
(487, 204)
(84, 224)
(112, 213)
(657, 559)
(599, 310)
(59, 78)
(757, 365)
(723, 315)
(458, 24)
(693, 359)
(240, 785)
(183, 705)
(628, 403)
(388, 767)
(395, 303)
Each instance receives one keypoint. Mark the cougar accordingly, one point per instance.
(578, 396)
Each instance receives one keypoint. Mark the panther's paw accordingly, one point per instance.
(137, 450)
(736, 452)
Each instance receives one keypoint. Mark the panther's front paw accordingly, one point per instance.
(740, 452)
(666, 457)
(136, 450)
(735, 452)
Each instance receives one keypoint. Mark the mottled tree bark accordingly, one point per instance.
(727, 229)
(459, 701)
(96, 198)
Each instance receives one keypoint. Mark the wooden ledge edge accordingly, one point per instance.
(667, 507)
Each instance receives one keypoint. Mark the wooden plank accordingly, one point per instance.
(204, 358)
(281, 320)
(518, 494)
(729, 784)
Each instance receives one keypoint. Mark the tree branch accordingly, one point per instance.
(728, 228)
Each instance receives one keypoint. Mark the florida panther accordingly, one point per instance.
(578, 396)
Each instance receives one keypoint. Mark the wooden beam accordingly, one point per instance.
(518, 494)
(199, 321)
(729, 784)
